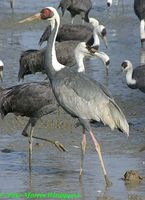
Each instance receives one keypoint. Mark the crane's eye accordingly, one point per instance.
(104, 32)
(124, 65)
(46, 13)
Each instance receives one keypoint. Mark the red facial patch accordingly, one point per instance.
(46, 13)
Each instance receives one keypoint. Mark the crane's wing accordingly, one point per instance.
(25, 98)
(86, 99)
(45, 35)
(31, 61)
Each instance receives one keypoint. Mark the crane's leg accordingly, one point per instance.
(24, 132)
(30, 140)
(72, 19)
(97, 146)
(12, 2)
(83, 21)
(58, 145)
(83, 150)
(30, 147)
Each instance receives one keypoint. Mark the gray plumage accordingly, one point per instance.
(76, 7)
(87, 100)
(139, 8)
(135, 77)
(78, 95)
(32, 100)
(32, 61)
(69, 32)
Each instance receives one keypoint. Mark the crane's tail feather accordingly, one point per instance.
(120, 121)
(113, 116)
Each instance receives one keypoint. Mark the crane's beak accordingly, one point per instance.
(104, 38)
(31, 18)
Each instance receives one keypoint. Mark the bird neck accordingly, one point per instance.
(96, 37)
(142, 29)
(129, 79)
(103, 56)
(51, 63)
(79, 60)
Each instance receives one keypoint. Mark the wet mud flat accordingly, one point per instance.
(58, 172)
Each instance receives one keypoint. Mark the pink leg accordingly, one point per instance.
(83, 149)
(97, 146)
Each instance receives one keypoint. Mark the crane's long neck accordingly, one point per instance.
(80, 61)
(51, 63)
(96, 37)
(129, 79)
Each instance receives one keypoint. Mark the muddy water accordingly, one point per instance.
(54, 171)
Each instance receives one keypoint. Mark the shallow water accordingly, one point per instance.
(54, 171)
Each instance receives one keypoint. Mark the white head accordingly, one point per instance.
(126, 65)
(128, 68)
(82, 50)
(104, 57)
(94, 22)
(109, 3)
(101, 32)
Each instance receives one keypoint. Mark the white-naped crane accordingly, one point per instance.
(68, 53)
(135, 78)
(91, 33)
(78, 95)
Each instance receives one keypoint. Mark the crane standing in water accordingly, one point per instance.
(78, 95)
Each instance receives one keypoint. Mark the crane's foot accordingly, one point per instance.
(142, 149)
(58, 145)
(81, 174)
(24, 133)
(108, 182)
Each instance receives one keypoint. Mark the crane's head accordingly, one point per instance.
(64, 5)
(1, 70)
(84, 50)
(102, 33)
(109, 3)
(94, 22)
(126, 65)
(48, 13)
